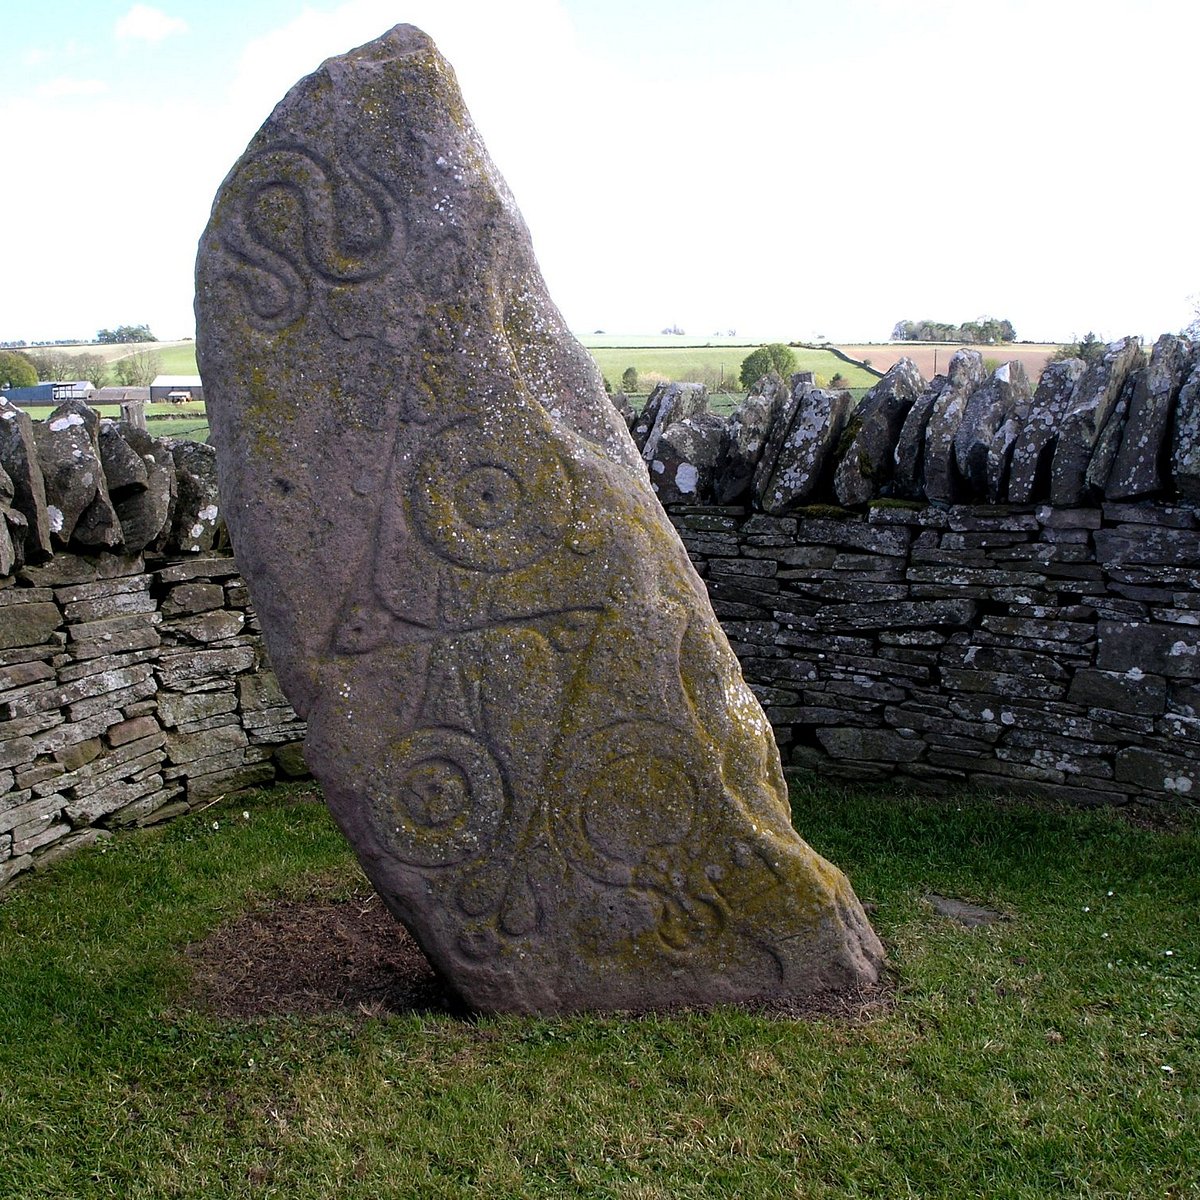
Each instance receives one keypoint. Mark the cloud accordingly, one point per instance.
(66, 85)
(146, 24)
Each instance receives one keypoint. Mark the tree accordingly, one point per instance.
(985, 331)
(125, 333)
(629, 379)
(54, 364)
(137, 369)
(91, 367)
(17, 369)
(1089, 347)
(775, 357)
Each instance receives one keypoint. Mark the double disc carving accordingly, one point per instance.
(635, 788)
(440, 796)
(490, 497)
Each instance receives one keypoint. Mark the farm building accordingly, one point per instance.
(176, 389)
(47, 395)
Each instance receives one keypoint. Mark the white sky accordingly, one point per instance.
(785, 168)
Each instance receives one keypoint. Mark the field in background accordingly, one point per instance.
(178, 358)
(1032, 356)
(716, 362)
(711, 365)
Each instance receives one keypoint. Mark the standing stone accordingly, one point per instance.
(800, 447)
(1033, 451)
(521, 709)
(746, 434)
(1091, 404)
(964, 374)
(1136, 471)
(18, 456)
(868, 466)
(991, 422)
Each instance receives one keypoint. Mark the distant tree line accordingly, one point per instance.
(986, 331)
(125, 333)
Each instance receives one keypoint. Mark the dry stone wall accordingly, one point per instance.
(130, 692)
(892, 625)
(1047, 649)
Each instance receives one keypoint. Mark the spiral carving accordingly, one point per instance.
(301, 218)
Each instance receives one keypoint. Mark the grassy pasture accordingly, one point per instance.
(178, 358)
(1055, 1053)
(655, 363)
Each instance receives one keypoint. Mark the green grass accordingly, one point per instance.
(1023, 1059)
(707, 363)
(177, 358)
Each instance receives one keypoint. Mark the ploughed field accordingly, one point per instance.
(933, 357)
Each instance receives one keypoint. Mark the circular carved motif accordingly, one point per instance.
(635, 788)
(491, 495)
(441, 797)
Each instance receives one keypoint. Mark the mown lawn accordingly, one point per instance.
(1056, 1053)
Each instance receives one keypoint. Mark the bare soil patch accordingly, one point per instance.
(312, 955)
(321, 954)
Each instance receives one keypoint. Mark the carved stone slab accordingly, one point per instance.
(521, 709)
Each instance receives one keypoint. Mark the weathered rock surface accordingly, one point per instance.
(148, 516)
(964, 374)
(520, 706)
(799, 447)
(1104, 453)
(866, 470)
(682, 468)
(124, 470)
(18, 456)
(1136, 471)
(12, 527)
(991, 422)
(1185, 442)
(746, 436)
(198, 503)
(668, 403)
(1091, 405)
(1033, 451)
(77, 499)
(909, 455)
